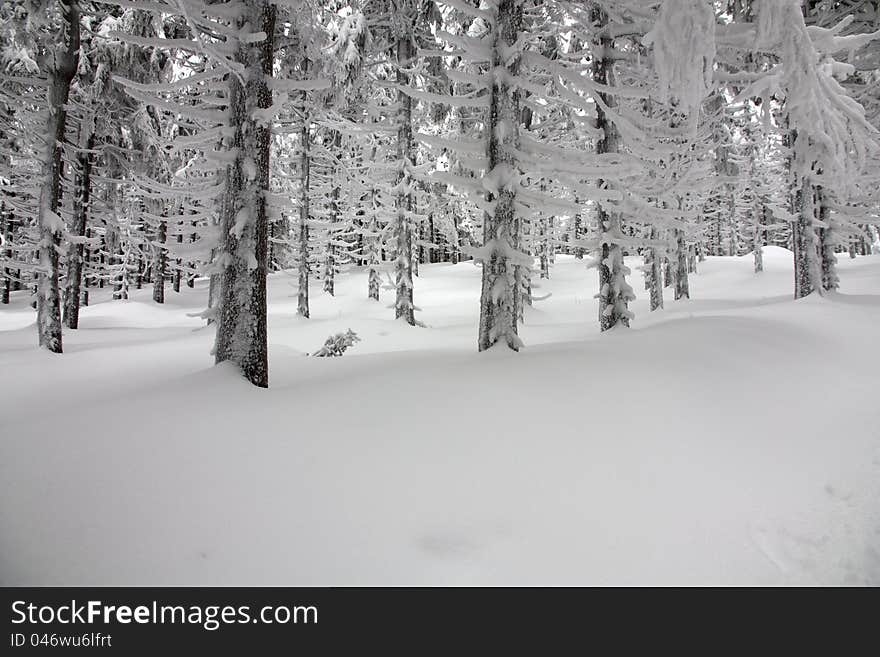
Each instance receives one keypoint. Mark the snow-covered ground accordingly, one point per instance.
(731, 439)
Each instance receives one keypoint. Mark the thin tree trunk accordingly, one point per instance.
(160, 261)
(330, 247)
(178, 265)
(6, 221)
(758, 246)
(403, 302)
(682, 287)
(578, 233)
(302, 305)
(654, 274)
(72, 296)
(373, 252)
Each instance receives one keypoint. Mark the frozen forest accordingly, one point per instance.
(332, 292)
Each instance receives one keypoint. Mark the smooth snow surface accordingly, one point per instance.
(730, 439)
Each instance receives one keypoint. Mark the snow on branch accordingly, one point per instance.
(832, 135)
(683, 42)
(452, 101)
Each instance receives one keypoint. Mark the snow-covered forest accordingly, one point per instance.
(658, 217)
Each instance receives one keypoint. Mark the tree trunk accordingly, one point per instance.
(75, 261)
(578, 233)
(50, 224)
(806, 267)
(682, 287)
(544, 247)
(432, 238)
(758, 243)
(302, 305)
(241, 325)
(502, 226)
(372, 243)
(6, 221)
(654, 274)
(455, 246)
(178, 269)
(614, 291)
(160, 261)
(827, 243)
(403, 302)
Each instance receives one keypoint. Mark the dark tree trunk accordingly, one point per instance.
(827, 242)
(578, 234)
(654, 274)
(682, 287)
(178, 269)
(160, 261)
(502, 227)
(333, 218)
(758, 245)
(804, 242)
(403, 302)
(241, 325)
(50, 226)
(6, 231)
(614, 292)
(75, 260)
(303, 265)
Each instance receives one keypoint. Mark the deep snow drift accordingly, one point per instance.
(731, 439)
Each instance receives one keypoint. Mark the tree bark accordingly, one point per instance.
(654, 274)
(758, 245)
(75, 260)
(804, 244)
(160, 261)
(66, 61)
(403, 302)
(302, 305)
(614, 292)
(682, 286)
(330, 261)
(241, 325)
(502, 226)
(6, 225)
(827, 242)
